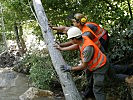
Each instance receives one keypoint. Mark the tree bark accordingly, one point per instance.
(17, 36)
(130, 10)
(22, 42)
(68, 86)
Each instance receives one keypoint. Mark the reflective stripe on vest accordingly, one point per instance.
(100, 31)
(97, 43)
(98, 59)
(95, 40)
(99, 64)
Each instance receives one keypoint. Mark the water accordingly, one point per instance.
(12, 84)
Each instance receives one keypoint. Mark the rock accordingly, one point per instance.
(7, 78)
(20, 68)
(6, 59)
(34, 93)
(12, 84)
(129, 79)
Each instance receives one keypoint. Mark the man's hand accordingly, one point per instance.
(56, 42)
(57, 46)
(50, 25)
(65, 68)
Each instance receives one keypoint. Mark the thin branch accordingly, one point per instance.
(130, 10)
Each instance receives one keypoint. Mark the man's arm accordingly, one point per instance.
(87, 56)
(62, 29)
(72, 47)
(80, 67)
(65, 44)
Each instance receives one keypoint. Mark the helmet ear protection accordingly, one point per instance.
(83, 20)
(80, 19)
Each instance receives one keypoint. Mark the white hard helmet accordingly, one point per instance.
(73, 32)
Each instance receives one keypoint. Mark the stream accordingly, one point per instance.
(13, 84)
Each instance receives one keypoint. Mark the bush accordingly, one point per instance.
(39, 67)
(121, 44)
(41, 72)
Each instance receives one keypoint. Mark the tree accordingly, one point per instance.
(68, 86)
(3, 28)
(16, 13)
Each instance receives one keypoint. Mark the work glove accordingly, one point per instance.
(65, 68)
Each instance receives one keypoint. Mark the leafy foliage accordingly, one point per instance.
(114, 16)
(42, 72)
(121, 43)
(41, 69)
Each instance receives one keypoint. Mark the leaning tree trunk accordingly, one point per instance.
(68, 86)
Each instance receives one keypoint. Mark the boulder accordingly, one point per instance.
(6, 59)
(33, 93)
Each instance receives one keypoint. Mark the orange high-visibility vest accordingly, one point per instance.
(99, 30)
(98, 59)
(95, 40)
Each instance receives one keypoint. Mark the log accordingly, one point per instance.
(68, 86)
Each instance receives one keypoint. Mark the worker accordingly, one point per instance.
(92, 59)
(90, 29)
(100, 32)
(80, 21)
(70, 46)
